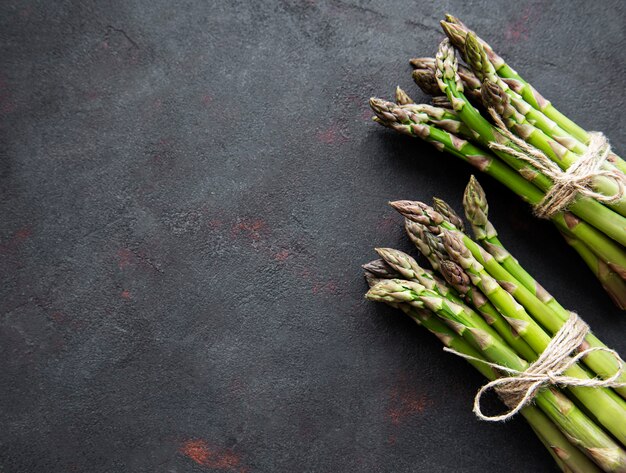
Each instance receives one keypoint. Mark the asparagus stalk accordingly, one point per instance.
(457, 33)
(479, 61)
(424, 76)
(417, 235)
(418, 125)
(612, 283)
(563, 457)
(406, 266)
(491, 322)
(441, 118)
(459, 280)
(476, 212)
(475, 203)
(521, 119)
(605, 406)
(456, 277)
(473, 88)
(604, 365)
(581, 430)
(494, 96)
(612, 224)
(376, 270)
(568, 457)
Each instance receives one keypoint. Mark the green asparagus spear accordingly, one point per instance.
(418, 125)
(475, 203)
(613, 284)
(602, 363)
(609, 409)
(457, 33)
(566, 455)
(491, 321)
(581, 431)
(609, 222)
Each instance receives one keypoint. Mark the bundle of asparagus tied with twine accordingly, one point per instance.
(485, 113)
(541, 359)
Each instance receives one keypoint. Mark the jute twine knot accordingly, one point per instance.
(568, 184)
(519, 389)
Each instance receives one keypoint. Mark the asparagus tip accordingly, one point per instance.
(454, 32)
(402, 98)
(494, 96)
(475, 203)
(427, 81)
(448, 213)
(422, 62)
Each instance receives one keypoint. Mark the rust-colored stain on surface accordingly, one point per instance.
(282, 255)
(203, 454)
(18, 238)
(517, 28)
(251, 228)
(404, 403)
(124, 257)
(325, 287)
(331, 136)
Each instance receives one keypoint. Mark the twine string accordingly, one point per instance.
(521, 387)
(568, 184)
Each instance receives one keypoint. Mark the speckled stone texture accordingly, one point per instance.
(187, 191)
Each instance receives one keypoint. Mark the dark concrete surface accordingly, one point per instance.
(187, 192)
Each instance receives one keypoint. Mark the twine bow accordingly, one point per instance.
(567, 184)
(519, 389)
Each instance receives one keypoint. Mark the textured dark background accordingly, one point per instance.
(187, 192)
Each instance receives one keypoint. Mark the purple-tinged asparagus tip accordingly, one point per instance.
(380, 269)
(455, 275)
(427, 81)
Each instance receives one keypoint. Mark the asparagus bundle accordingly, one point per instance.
(486, 307)
(489, 116)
